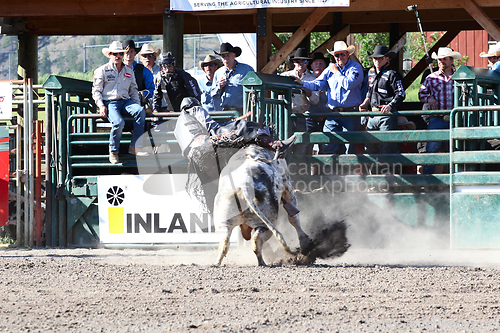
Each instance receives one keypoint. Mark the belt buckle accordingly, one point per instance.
(338, 109)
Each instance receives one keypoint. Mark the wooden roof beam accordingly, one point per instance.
(422, 64)
(295, 40)
(480, 16)
(341, 35)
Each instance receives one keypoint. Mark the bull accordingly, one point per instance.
(251, 188)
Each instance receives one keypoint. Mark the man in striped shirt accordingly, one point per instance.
(437, 90)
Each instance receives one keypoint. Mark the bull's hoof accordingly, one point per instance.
(306, 245)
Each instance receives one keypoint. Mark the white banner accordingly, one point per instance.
(196, 5)
(128, 214)
(5, 101)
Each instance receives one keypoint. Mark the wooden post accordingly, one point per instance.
(173, 32)
(28, 57)
(394, 37)
(264, 37)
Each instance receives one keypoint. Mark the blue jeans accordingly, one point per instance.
(314, 125)
(341, 124)
(434, 147)
(115, 111)
(382, 123)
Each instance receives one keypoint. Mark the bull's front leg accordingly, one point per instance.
(260, 236)
(224, 245)
(306, 243)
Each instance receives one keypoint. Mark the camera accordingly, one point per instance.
(411, 8)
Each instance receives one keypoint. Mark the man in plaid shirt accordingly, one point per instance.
(437, 90)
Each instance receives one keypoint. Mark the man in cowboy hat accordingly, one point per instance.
(318, 98)
(438, 91)
(342, 82)
(115, 92)
(143, 76)
(209, 65)
(491, 54)
(148, 57)
(385, 94)
(228, 78)
(300, 103)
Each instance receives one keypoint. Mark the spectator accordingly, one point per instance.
(228, 78)
(385, 95)
(318, 98)
(143, 76)
(115, 93)
(491, 56)
(173, 85)
(209, 66)
(342, 81)
(300, 59)
(438, 91)
(148, 58)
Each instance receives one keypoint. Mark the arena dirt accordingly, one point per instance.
(175, 290)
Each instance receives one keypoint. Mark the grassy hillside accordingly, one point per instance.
(78, 56)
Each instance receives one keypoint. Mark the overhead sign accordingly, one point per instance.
(198, 5)
(5, 101)
(128, 214)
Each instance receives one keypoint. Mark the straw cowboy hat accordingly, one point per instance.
(381, 51)
(114, 47)
(227, 47)
(149, 49)
(341, 46)
(318, 56)
(210, 59)
(444, 52)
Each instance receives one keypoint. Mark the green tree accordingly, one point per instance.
(366, 43)
(44, 63)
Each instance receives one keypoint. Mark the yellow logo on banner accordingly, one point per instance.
(116, 216)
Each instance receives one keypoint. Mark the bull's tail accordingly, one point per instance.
(255, 209)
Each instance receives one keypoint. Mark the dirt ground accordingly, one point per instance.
(176, 290)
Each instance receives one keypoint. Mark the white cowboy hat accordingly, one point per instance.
(114, 47)
(341, 46)
(149, 49)
(444, 52)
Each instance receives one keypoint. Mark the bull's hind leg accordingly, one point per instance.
(260, 236)
(224, 245)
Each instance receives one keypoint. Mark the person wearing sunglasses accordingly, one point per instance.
(148, 56)
(385, 95)
(342, 83)
(209, 65)
(115, 93)
(299, 59)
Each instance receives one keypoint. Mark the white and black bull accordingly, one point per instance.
(251, 188)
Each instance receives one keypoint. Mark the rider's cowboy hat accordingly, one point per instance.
(381, 51)
(210, 59)
(341, 46)
(227, 47)
(114, 47)
(149, 49)
(444, 52)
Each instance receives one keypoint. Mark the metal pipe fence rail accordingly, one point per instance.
(29, 163)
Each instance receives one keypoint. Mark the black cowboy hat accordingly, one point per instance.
(318, 56)
(301, 53)
(227, 47)
(129, 44)
(381, 51)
